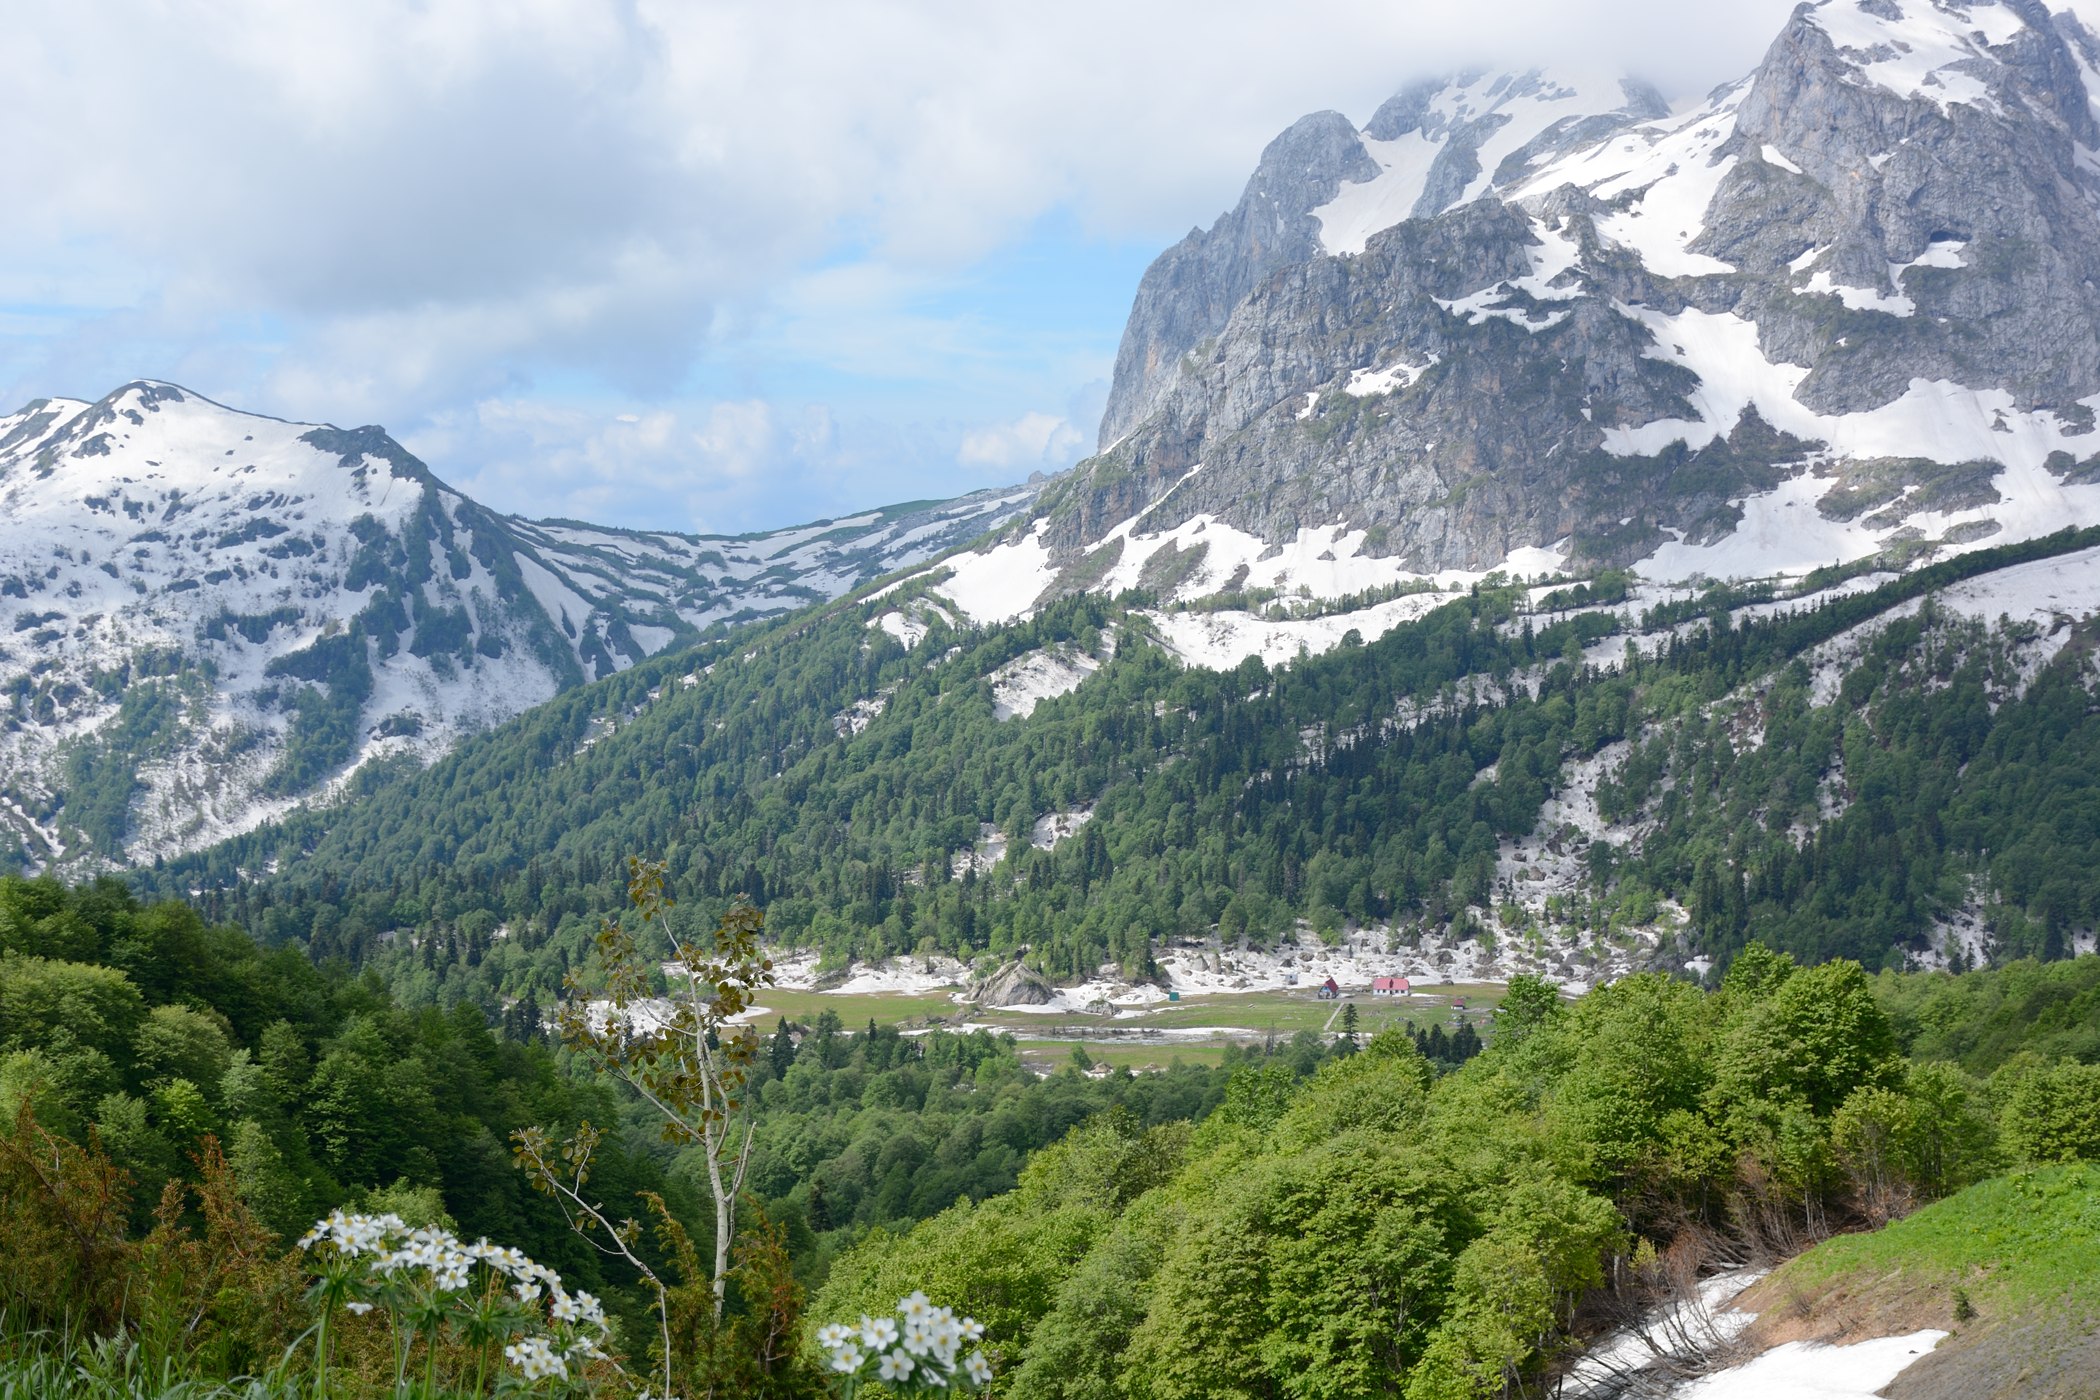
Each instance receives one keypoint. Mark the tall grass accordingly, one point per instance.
(109, 1369)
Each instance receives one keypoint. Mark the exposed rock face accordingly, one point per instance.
(1191, 289)
(1876, 260)
(1322, 185)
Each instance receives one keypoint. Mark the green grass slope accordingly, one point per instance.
(2010, 1267)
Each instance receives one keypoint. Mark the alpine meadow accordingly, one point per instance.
(1504, 803)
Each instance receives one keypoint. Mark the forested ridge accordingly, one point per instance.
(1924, 774)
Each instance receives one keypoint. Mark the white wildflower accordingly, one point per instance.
(535, 1359)
(896, 1366)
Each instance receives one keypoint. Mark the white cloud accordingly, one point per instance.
(719, 466)
(1032, 442)
(403, 210)
(425, 193)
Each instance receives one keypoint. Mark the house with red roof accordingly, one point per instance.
(1391, 987)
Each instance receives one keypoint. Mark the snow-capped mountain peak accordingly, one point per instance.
(1448, 142)
(212, 615)
(1845, 310)
(1932, 50)
(1326, 187)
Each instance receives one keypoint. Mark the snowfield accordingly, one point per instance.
(1521, 108)
(1025, 682)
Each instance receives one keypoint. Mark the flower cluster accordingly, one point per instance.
(917, 1352)
(536, 1359)
(426, 1279)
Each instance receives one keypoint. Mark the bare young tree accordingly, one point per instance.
(683, 1053)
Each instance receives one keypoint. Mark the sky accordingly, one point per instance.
(698, 265)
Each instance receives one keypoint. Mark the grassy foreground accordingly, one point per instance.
(2010, 1267)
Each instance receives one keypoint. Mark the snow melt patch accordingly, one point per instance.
(1811, 1371)
(1365, 207)
(1680, 1330)
(908, 630)
(1027, 681)
(1055, 827)
(1527, 105)
(1211, 968)
(861, 713)
(989, 850)
(2045, 591)
(1369, 383)
(1002, 583)
(1665, 174)
(1773, 157)
(1219, 641)
(1942, 252)
(798, 971)
(1937, 420)
(1860, 298)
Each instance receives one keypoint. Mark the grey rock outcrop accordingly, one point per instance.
(1013, 985)
(1635, 334)
(1189, 292)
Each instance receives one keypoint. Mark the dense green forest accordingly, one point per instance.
(1845, 813)
(1328, 1218)
(1378, 1231)
(146, 1029)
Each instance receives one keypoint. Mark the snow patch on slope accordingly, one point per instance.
(1662, 175)
(1219, 641)
(1812, 1371)
(1055, 827)
(1521, 107)
(1003, 582)
(1929, 50)
(1370, 383)
(1365, 207)
(1027, 681)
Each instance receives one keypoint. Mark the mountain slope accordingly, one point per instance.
(1848, 307)
(213, 615)
(1574, 781)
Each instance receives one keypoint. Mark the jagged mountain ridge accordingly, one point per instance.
(1846, 307)
(214, 615)
(1324, 186)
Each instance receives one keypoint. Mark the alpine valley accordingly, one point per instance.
(1479, 500)
(1526, 825)
(1539, 528)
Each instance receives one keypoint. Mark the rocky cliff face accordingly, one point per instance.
(211, 616)
(1849, 306)
(1323, 187)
